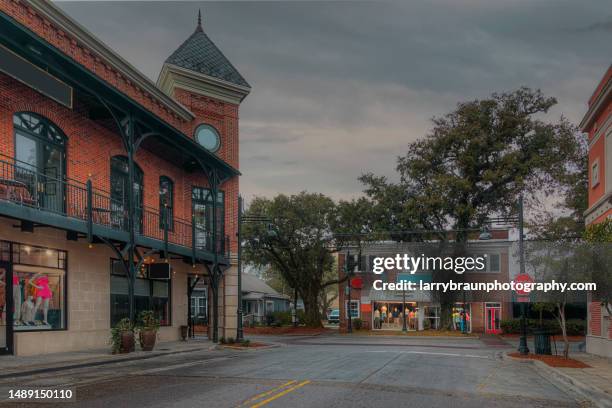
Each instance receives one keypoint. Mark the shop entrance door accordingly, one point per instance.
(6, 311)
(492, 318)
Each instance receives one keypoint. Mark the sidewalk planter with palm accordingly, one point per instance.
(148, 325)
(122, 337)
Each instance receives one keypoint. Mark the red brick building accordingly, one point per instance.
(79, 248)
(597, 123)
(483, 312)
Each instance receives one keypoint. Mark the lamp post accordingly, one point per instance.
(523, 348)
(240, 331)
(404, 327)
(348, 267)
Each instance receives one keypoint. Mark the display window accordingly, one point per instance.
(38, 288)
(462, 317)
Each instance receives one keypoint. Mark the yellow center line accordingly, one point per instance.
(263, 394)
(280, 394)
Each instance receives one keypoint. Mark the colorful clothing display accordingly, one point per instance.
(43, 290)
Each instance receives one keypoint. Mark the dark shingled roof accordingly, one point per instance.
(198, 53)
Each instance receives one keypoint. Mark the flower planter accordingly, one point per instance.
(184, 332)
(147, 339)
(127, 342)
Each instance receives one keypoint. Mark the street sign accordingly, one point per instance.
(522, 296)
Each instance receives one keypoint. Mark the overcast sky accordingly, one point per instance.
(341, 88)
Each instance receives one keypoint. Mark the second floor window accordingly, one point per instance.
(202, 207)
(166, 200)
(119, 194)
(40, 160)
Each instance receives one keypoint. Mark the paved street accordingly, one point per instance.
(330, 371)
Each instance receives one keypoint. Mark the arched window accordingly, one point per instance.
(166, 199)
(119, 180)
(40, 159)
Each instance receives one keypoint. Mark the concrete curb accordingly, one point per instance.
(110, 359)
(590, 393)
(252, 349)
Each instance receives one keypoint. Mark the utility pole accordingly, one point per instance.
(348, 265)
(240, 331)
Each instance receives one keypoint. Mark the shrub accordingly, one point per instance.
(357, 323)
(222, 340)
(230, 340)
(246, 343)
(147, 321)
(282, 318)
(574, 327)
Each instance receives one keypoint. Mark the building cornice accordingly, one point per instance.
(598, 208)
(57, 17)
(172, 76)
(596, 107)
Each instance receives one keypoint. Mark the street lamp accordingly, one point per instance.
(523, 348)
(348, 271)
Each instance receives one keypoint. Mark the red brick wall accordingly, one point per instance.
(222, 116)
(90, 147)
(65, 42)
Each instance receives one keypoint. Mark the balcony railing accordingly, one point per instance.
(27, 185)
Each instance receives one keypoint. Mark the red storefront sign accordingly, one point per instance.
(522, 295)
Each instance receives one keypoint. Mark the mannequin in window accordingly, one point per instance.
(42, 294)
(16, 299)
(27, 312)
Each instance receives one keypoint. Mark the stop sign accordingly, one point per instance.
(523, 278)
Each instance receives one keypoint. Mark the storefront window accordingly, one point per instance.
(353, 307)
(149, 294)
(462, 317)
(39, 279)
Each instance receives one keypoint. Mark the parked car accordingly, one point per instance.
(334, 317)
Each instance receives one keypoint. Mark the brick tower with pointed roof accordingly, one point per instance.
(201, 78)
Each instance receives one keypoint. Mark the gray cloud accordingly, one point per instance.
(341, 88)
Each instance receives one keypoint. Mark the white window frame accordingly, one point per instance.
(595, 170)
(488, 269)
(346, 308)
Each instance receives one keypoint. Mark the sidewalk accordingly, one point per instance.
(593, 384)
(15, 366)
(598, 377)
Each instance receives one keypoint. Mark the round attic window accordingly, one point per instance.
(208, 137)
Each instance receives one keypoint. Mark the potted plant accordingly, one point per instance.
(184, 332)
(148, 325)
(122, 337)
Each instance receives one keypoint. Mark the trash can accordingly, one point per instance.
(541, 339)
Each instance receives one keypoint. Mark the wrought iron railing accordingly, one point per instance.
(27, 185)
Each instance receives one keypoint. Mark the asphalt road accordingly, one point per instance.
(318, 371)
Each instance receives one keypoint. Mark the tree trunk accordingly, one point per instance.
(446, 316)
(561, 319)
(312, 312)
